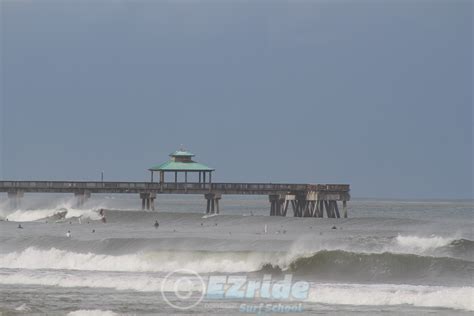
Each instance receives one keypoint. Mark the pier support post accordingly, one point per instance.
(304, 209)
(148, 200)
(336, 209)
(299, 204)
(81, 198)
(290, 200)
(328, 207)
(277, 205)
(15, 198)
(302, 203)
(332, 210)
(311, 208)
(316, 208)
(212, 203)
(273, 205)
(285, 207)
(344, 208)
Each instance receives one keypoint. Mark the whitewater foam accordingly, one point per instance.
(34, 258)
(91, 312)
(111, 280)
(433, 245)
(327, 293)
(34, 215)
(417, 244)
(393, 294)
(23, 308)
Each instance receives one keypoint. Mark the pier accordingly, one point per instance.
(303, 200)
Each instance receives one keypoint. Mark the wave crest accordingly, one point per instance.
(419, 244)
(322, 265)
(344, 265)
(155, 261)
(56, 213)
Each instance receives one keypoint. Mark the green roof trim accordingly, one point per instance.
(181, 166)
(182, 153)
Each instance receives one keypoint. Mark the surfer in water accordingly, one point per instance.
(156, 225)
(68, 234)
(19, 226)
(102, 215)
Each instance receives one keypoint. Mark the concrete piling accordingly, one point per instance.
(15, 199)
(148, 200)
(212, 202)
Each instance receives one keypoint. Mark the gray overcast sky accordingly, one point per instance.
(377, 94)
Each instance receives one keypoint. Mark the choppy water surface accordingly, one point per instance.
(406, 257)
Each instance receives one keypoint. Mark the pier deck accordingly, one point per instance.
(307, 200)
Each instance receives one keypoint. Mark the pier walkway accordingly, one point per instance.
(306, 200)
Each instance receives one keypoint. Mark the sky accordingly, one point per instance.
(376, 94)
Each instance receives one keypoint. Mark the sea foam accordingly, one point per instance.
(327, 293)
(34, 258)
(34, 215)
(393, 294)
(91, 312)
(417, 244)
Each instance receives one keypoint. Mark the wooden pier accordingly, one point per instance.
(305, 200)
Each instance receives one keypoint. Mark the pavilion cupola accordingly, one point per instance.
(182, 156)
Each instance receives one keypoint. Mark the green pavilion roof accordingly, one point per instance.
(181, 166)
(181, 161)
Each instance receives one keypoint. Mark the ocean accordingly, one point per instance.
(389, 256)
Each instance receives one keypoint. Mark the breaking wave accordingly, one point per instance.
(55, 214)
(159, 261)
(419, 244)
(352, 266)
(433, 246)
(322, 265)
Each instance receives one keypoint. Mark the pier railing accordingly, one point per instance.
(168, 187)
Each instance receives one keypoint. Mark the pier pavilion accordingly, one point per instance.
(182, 162)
